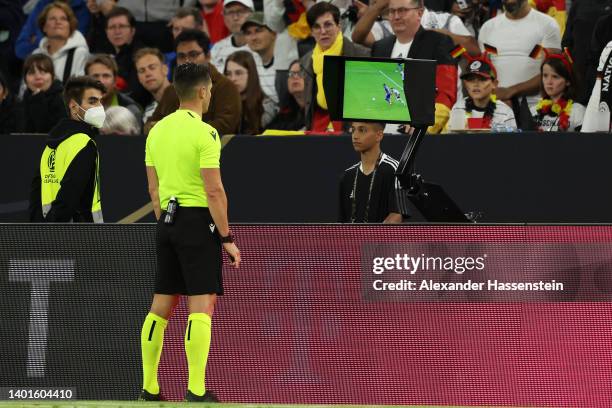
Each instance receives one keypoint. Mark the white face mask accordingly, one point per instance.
(95, 116)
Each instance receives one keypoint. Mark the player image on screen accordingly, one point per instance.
(363, 81)
(387, 94)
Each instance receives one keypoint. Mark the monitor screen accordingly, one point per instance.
(375, 90)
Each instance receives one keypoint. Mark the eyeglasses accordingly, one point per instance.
(57, 19)
(401, 11)
(119, 27)
(296, 74)
(328, 25)
(191, 55)
(235, 13)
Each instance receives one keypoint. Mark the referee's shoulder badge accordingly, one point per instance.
(214, 134)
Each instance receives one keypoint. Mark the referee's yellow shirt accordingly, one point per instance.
(178, 146)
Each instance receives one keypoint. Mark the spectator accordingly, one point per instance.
(261, 40)
(257, 108)
(31, 34)
(512, 38)
(153, 76)
(96, 36)
(411, 40)
(186, 18)
(235, 14)
(121, 31)
(151, 20)
(323, 20)
(11, 22)
(480, 109)
(212, 12)
(120, 121)
(597, 116)
(42, 106)
(291, 116)
(224, 109)
(103, 68)
(367, 31)
(62, 42)
(578, 33)
(8, 108)
(602, 35)
(557, 111)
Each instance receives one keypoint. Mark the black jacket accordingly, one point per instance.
(425, 45)
(74, 199)
(41, 112)
(8, 115)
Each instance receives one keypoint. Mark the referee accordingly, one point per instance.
(182, 159)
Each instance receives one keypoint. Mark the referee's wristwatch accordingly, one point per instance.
(229, 239)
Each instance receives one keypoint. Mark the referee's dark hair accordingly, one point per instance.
(198, 36)
(189, 76)
(75, 88)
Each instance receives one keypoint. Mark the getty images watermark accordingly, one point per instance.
(485, 272)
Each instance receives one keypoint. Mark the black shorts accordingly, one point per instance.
(189, 259)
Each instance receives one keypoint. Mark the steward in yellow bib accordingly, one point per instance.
(67, 187)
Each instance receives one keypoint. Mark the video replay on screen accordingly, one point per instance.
(375, 90)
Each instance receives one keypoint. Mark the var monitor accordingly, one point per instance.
(380, 89)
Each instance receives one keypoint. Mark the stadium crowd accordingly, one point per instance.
(502, 65)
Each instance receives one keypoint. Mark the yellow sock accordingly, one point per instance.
(151, 342)
(197, 344)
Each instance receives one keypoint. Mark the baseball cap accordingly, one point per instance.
(480, 67)
(246, 3)
(257, 18)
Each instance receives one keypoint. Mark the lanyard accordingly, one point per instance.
(354, 193)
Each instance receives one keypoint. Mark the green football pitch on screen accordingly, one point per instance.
(375, 90)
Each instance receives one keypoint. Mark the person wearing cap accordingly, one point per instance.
(480, 109)
(235, 14)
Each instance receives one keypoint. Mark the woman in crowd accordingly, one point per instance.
(291, 115)
(257, 109)
(557, 111)
(62, 41)
(8, 105)
(42, 105)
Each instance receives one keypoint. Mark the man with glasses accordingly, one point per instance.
(411, 40)
(67, 186)
(225, 104)
(323, 19)
(235, 14)
(121, 31)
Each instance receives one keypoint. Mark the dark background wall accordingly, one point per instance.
(515, 177)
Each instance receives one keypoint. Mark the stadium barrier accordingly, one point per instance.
(298, 325)
(511, 177)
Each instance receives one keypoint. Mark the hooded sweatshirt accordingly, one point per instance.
(73, 200)
(81, 53)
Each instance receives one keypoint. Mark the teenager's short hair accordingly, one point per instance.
(75, 87)
(189, 76)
